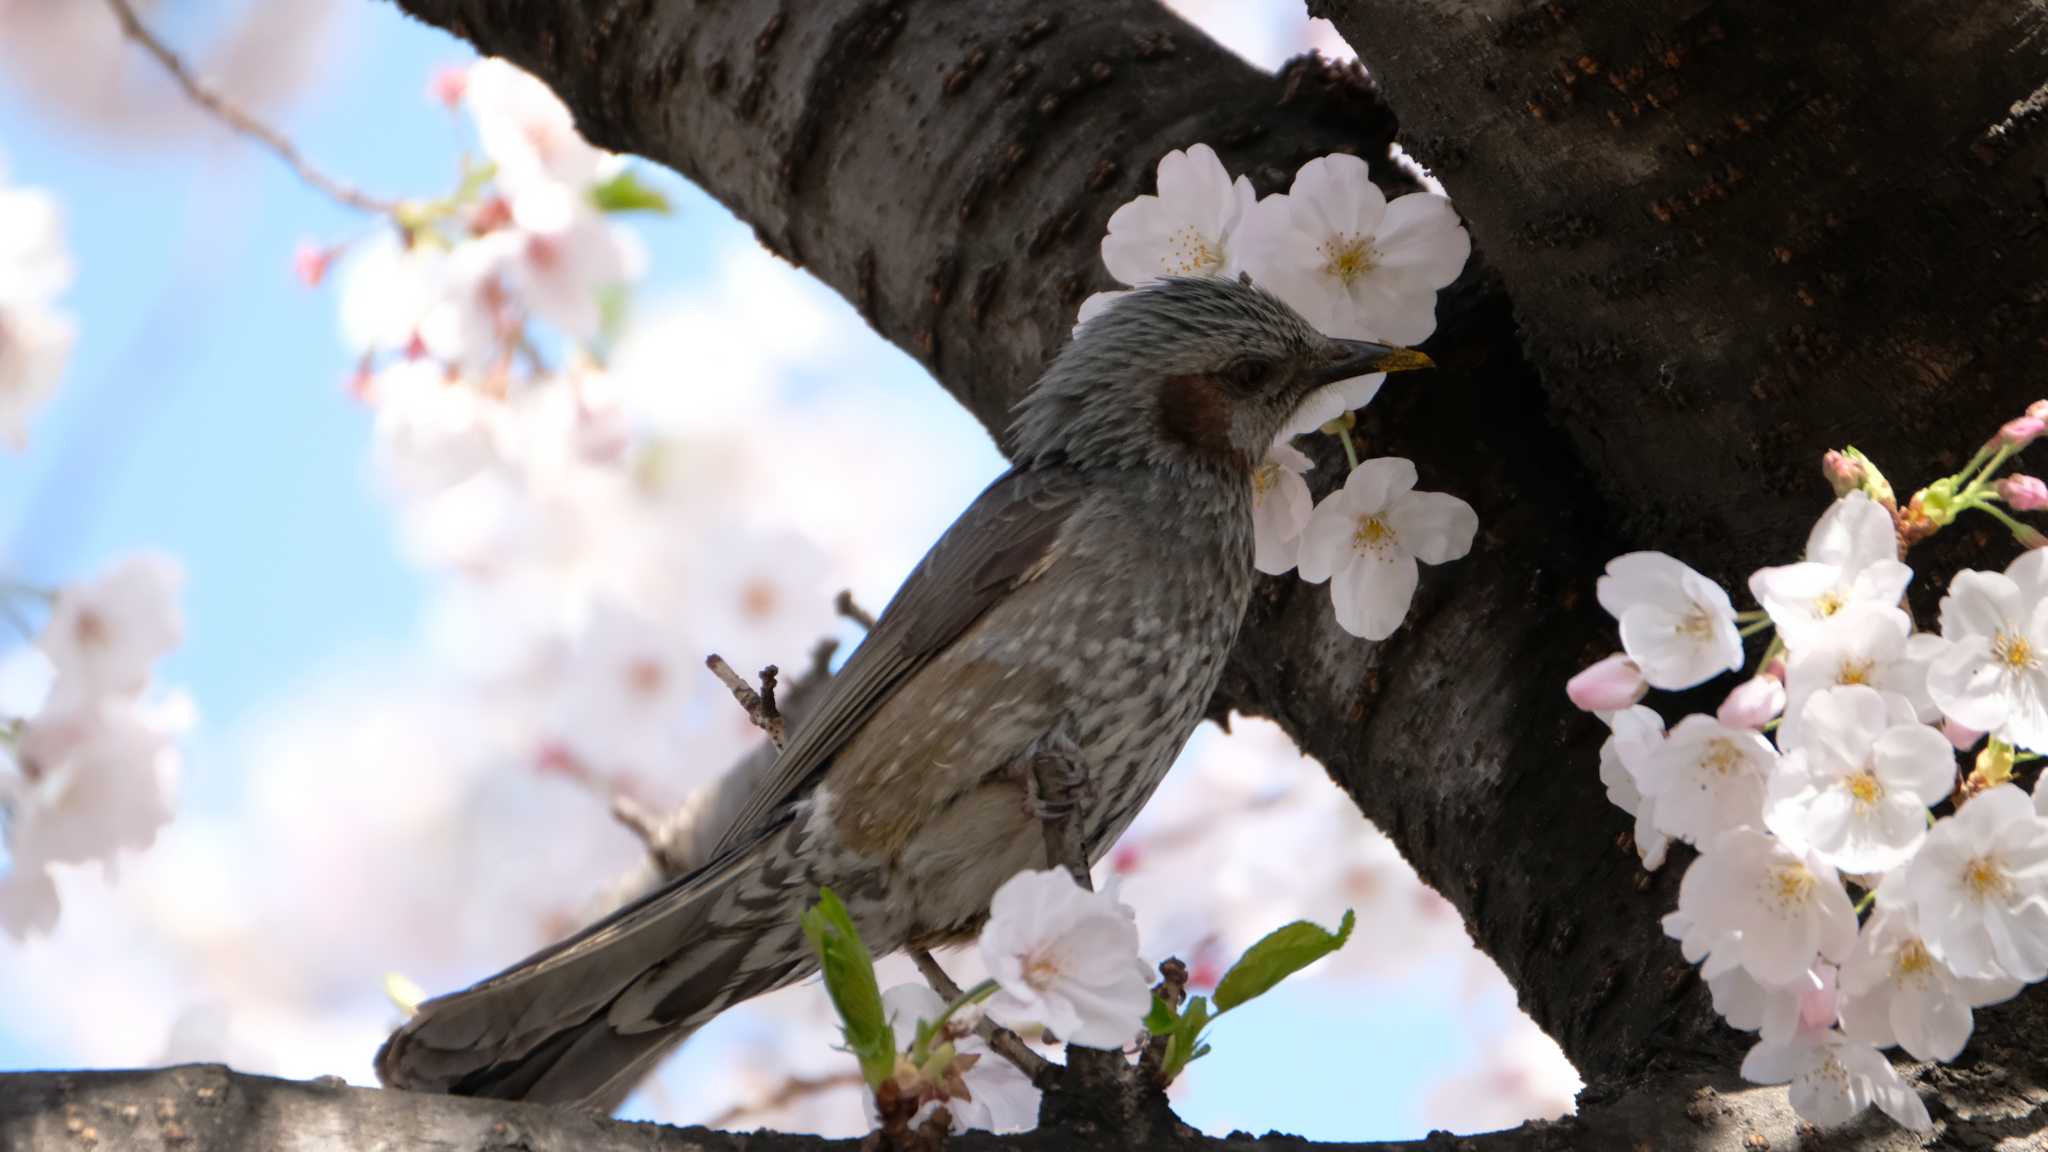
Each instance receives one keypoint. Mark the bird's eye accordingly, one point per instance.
(1245, 376)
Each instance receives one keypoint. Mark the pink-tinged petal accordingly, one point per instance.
(1326, 542)
(1376, 483)
(1338, 189)
(1607, 686)
(1373, 595)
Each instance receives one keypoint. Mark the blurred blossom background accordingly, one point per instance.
(448, 583)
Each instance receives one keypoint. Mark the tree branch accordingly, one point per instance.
(206, 1107)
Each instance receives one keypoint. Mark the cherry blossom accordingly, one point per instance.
(1834, 1079)
(1707, 777)
(433, 431)
(387, 289)
(543, 163)
(1366, 537)
(1979, 888)
(1067, 958)
(1775, 1010)
(1895, 992)
(1852, 557)
(1856, 787)
(1331, 401)
(1281, 507)
(1354, 264)
(1000, 1097)
(1752, 900)
(1676, 624)
(35, 338)
(1607, 685)
(1994, 674)
(1628, 756)
(1870, 645)
(1188, 229)
(1753, 703)
(105, 634)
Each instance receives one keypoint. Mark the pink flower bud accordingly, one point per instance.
(1845, 475)
(1963, 738)
(1753, 703)
(309, 263)
(1817, 1001)
(2020, 432)
(1609, 686)
(2038, 410)
(2023, 493)
(448, 84)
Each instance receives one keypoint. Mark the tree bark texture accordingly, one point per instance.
(1714, 237)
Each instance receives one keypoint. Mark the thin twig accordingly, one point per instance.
(853, 611)
(1000, 1040)
(786, 1093)
(760, 706)
(240, 121)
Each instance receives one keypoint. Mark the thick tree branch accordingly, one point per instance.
(207, 1108)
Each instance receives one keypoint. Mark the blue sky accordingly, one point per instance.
(205, 413)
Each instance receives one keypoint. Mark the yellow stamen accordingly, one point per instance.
(1264, 479)
(1912, 959)
(1794, 885)
(1191, 254)
(1866, 789)
(1985, 878)
(1372, 533)
(2013, 650)
(1830, 602)
(1348, 256)
(1855, 671)
(1723, 757)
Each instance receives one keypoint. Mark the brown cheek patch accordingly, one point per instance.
(1194, 412)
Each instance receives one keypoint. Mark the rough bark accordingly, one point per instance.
(1735, 232)
(208, 1108)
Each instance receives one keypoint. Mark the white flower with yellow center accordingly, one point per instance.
(1366, 537)
(1856, 787)
(1994, 674)
(1354, 264)
(1852, 557)
(1066, 958)
(1628, 760)
(1979, 887)
(1676, 624)
(1753, 900)
(1281, 507)
(1870, 645)
(1834, 1078)
(1187, 229)
(1893, 990)
(1708, 777)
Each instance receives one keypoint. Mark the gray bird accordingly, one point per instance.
(1088, 598)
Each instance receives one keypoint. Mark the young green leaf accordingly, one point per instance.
(850, 982)
(1160, 1020)
(1285, 951)
(625, 193)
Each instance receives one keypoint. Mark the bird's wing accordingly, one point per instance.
(1006, 538)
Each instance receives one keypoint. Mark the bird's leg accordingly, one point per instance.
(1055, 780)
(1000, 1040)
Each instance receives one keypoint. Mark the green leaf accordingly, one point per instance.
(625, 193)
(850, 981)
(1161, 1019)
(1184, 1040)
(1285, 951)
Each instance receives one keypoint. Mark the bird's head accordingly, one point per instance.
(1187, 374)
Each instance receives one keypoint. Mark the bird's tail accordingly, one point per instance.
(583, 1020)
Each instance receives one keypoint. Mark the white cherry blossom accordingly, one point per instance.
(1607, 685)
(1979, 888)
(1834, 1079)
(1188, 229)
(35, 263)
(1852, 557)
(433, 430)
(1066, 958)
(387, 290)
(1778, 1011)
(1707, 777)
(1753, 703)
(1331, 401)
(1281, 507)
(565, 275)
(1856, 787)
(1366, 537)
(1751, 900)
(92, 780)
(1625, 759)
(35, 347)
(1994, 674)
(1895, 992)
(1867, 644)
(543, 164)
(105, 634)
(1676, 624)
(1352, 263)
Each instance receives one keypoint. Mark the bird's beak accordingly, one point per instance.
(1348, 358)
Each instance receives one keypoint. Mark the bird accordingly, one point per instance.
(1084, 603)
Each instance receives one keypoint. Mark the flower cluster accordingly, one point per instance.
(1358, 266)
(90, 774)
(35, 337)
(1853, 890)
